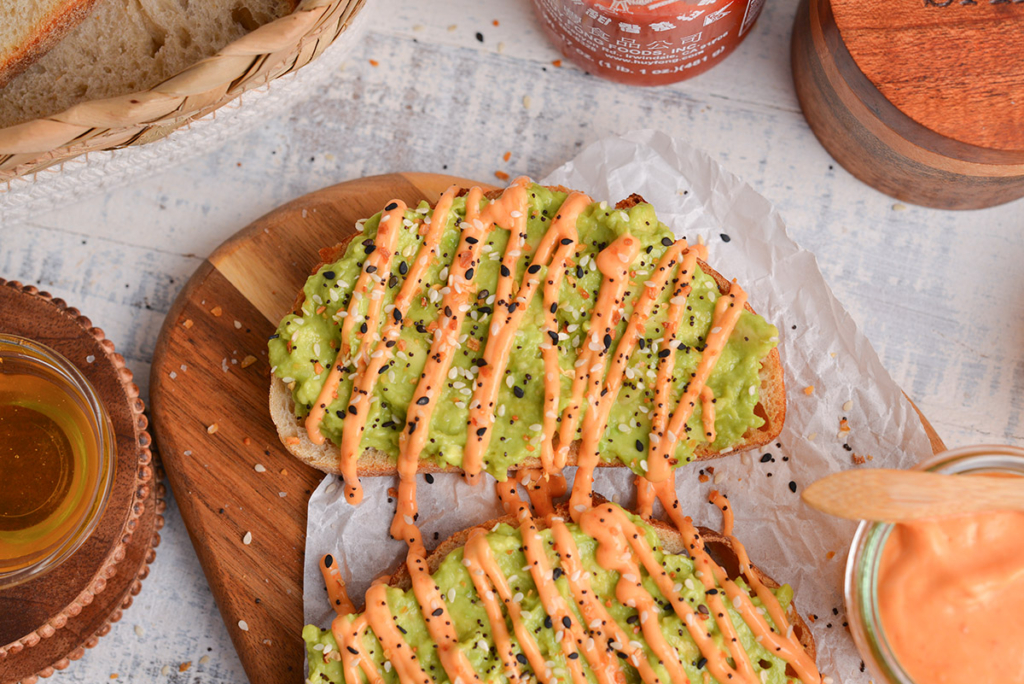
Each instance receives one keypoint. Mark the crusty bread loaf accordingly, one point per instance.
(124, 46)
(326, 457)
(719, 547)
(29, 28)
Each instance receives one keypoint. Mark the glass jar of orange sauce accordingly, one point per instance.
(57, 459)
(941, 601)
(647, 42)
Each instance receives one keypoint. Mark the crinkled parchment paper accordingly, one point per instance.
(820, 346)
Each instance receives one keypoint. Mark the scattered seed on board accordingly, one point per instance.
(139, 631)
(247, 539)
(259, 468)
(848, 405)
(165, 670)
(211, 429)
(205, 659)
(243, 625)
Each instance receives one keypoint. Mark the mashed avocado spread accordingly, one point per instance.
(474, 630)
(305, 345)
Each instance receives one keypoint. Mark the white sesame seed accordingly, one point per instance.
(247, 539)
(243, 625)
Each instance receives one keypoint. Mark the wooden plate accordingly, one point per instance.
(210, 382)
(50, 621)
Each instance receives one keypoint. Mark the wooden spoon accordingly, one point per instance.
(896, 495)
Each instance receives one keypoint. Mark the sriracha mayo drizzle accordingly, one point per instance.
(595, 421)
(561, 236)
(727, 312)
(376, 269)
(667, 362)
(380, 359)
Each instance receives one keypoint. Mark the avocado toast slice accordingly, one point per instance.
(656, 616)
(746, 383)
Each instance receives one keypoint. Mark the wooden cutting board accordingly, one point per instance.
(209, 392)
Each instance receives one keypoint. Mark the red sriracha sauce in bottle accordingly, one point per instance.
(647, 42)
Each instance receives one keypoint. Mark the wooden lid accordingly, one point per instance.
(953, 66)
(49, 621)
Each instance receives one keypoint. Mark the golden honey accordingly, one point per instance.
(56, 459)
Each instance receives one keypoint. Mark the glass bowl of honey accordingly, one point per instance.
(57, 459)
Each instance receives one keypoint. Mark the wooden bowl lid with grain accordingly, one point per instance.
(954, 66)
(921, 99)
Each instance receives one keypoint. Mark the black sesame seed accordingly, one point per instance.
(480, 432)
(639, 446)
(765, 458)
(328, 560)
(437, 612)
(504, 271)
(566, 622)
(469, 274)
(792, 486)
(666, 241)
(423, 401)
(533, 268)
(403, 268)
(393, 205)
(329, 275)
(429, 478)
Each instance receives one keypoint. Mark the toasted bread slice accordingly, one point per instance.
(29, 29)
(719, 547)
(292, 432)
(119, 47)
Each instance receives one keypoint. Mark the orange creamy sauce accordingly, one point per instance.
(951, 598)
(622, 547)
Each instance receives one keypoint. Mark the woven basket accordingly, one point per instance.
(272, 50)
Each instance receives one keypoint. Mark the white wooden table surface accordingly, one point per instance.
(937, 293)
